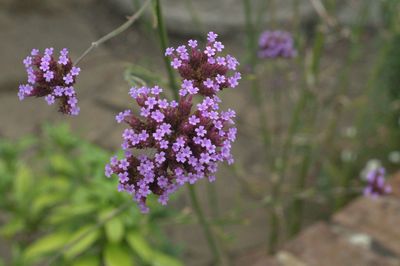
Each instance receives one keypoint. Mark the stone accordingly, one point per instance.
(378, 218)
(320, 244)
(395, 183)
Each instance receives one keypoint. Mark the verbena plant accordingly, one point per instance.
(58, 210)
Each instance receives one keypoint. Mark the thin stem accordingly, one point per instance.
(273, 236)
(321, 11)
(66, 247)
(293, 126)
(250, 30)
(162, 34)
(296, 212)
(115, 32)
(206, 227)
(212, 199)
(258, 98)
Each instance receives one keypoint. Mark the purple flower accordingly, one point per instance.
(176, 63)
(121, 116)
(52, 79)
(219, 46)
(50, 99)
(193, 120)
(169, 51)
(123, 177)
(200, 131)
(209, 51)
(160, 157)
(108, 170)
(75, 71)
(123, 164)
(186, 141)
(157, 116)
(211, 36)
(376, 185)
(273, 44)
(199, 69)
(192, 43)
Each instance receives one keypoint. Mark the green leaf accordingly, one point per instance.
(23, 183)
(82, 240)
(46, 244)
(116, 255)
(12, 227)
(67, 212)
(60, 163)
(114, 230)
(60, 134)
(161, 259)
(140, 246)
(87, 261)
(148, 254)
(44, 201)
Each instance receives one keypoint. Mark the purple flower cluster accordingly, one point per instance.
(273, 44)
(184, 141)
(376, 185)
(52, 78)
(204, 72)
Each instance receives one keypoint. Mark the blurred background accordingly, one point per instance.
(308, 128)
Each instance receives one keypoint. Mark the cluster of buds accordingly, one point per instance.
(171, 143)
(376, 185)
(274, 44)
(52, 78)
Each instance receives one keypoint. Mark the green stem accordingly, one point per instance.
(115, 32)
(296, 212)
(212, 199)
(251, 38)
(293, 126)
(258, 98)
(162, 34)
(273, 235)
(206, 226)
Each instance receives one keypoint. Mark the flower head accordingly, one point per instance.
(273, 44)
(188, 143)
(376, 185)
(206, 71)
(51, 77)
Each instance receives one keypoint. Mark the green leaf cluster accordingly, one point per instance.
(59, 207)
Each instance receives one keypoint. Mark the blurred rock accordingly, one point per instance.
(377, 218)
(322, 245)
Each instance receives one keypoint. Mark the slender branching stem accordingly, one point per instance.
(162, 34)
(204, 223)
(115, 32)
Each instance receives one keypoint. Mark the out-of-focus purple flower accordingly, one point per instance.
(273, 44)
(376, 185)
(52, 78)
(201, 69)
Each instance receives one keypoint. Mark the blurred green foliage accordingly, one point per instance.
(58, 207)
